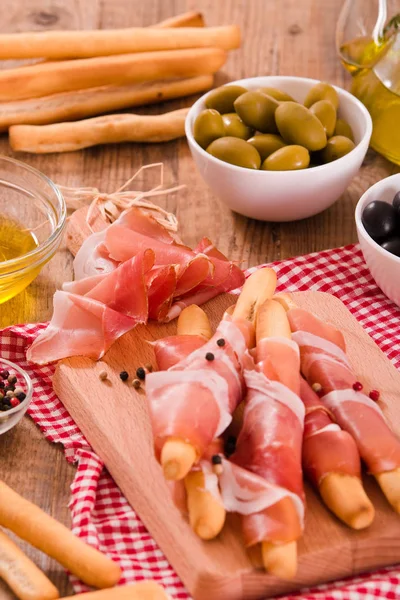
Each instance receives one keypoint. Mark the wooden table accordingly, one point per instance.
(286, 37)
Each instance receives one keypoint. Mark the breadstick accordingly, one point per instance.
(145, 590)
(48, 78)
(81, 104)
(194, 321)
(31, 524)
(206, 512)
(280, 559)
(57, 45)
(389, 482)
(110, 129)
(24, 578)
(188, 19)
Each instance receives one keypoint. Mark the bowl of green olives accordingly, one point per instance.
(378, 229)
(278, 148)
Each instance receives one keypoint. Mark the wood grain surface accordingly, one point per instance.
(287, 37)
(221, 569)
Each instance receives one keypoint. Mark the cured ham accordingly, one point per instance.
(137, 268)
(88, 324)
(324, 361)
(195, 399)
(264, 481)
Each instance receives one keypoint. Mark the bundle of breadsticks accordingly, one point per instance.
(249, 412)
(48, 106)
(28, 582)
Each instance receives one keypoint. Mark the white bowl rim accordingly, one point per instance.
(359, 223)
(300, 172)
(29, 387)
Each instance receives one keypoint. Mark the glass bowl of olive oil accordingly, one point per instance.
(32, 221)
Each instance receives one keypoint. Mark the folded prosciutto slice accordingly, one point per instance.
(264, 482)
(88, 323)
(194, 400)
(326, 447)
(324, 361)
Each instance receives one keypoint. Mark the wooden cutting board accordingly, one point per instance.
(114, 419)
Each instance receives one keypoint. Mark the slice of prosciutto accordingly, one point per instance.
(194, 400)
(324, 361)
(263, 480)
(326, 447)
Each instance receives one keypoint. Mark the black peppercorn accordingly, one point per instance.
(21, 396)
(12, 379)
(4, 374)
(216, 459)
(2, 384)
(221, 342)
(210, 356)
(124, 375)
(140, 373)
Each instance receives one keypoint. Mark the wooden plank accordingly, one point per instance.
(115, 421)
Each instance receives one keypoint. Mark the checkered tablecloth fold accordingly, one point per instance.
(100, 513)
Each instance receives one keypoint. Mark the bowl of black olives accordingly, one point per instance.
(278, 148)
(378, 229)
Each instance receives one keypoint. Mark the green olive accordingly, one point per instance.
(343, 128)
(234, 126)
(257, 110)
(236, 152)
(289, 158)
(222, 98)
(207, 127)
(326, 113)
(266, 143)
(322, 91)
(277, 94)
(297, 125)
(336, 147)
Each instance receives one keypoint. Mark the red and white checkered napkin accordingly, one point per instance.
(102, 516)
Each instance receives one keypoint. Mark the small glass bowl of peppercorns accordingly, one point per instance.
(15, 394)
(378, 228)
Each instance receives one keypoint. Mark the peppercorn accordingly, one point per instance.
(210, 356)
(374, 395)
(357, 386)
(141, 373)
(2, 384)
(216, 459)
(4, 374)
(9, 388)
(103, 375)
(149, 368)
(21, 396)
(14, 402)
(124, 375)
(6, 401)
(221, 342)
(18, 390)
(10, 394)
(12, 379)
(5, 407)
(136, 383)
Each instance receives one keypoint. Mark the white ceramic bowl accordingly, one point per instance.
(11, 417)
(384, 266)
(283, 195)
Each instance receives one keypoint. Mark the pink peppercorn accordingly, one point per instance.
(357, 386)
(14, 402)
(374, 395)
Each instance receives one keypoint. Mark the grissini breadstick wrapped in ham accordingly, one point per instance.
(192, 403)
(331, 462)
(198, 494)
(263, 480)
(324, 362)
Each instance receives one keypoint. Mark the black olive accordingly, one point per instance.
(396, 203)
(379, 219)
(392, 246)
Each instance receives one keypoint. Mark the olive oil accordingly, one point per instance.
(375, 67)
(15, 241)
